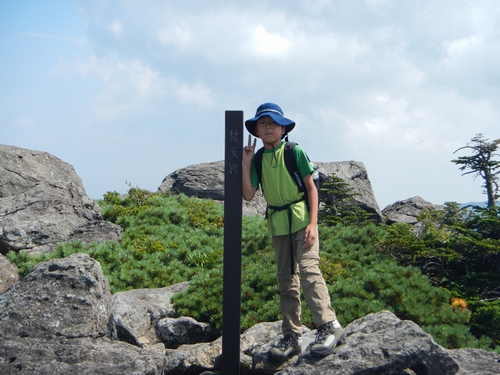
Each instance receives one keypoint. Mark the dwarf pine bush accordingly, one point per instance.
(362, 280)
(459, 250)
(259, 298)
(166, 240)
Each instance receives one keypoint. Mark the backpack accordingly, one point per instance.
(291, 166)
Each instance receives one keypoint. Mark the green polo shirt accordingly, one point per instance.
(280, 189)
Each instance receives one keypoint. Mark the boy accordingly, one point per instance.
(296, 245)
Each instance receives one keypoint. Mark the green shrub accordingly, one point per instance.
(485, 320)
(459, 250)
(339, 204)
(368, 281)
(259, 298)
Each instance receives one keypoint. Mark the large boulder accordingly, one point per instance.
(380, 343)
(175, 332)
(408, 210)
(136, 314)
(43, 202)
(145, 318)
(204, 180)
(476, 361)
(207, 181)
(54, 321)
(355, 175)
(61, 298)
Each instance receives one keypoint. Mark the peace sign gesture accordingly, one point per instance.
(249, 150)
(247, 189)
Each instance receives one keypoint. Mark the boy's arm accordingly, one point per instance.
(312, 227)
(248, 190)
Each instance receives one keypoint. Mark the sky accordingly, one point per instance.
(129, 91)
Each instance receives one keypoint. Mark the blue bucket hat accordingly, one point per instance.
(275, 112)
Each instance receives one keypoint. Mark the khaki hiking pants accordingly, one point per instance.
(313, 283)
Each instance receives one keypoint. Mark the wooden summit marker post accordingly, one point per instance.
(231, 296)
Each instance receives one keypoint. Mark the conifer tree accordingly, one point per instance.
(482, 163)
(339, 205)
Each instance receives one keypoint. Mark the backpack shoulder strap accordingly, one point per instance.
(258, 163)
(291, 165)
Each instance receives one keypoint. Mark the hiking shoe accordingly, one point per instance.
(287, 347)
(327, 338)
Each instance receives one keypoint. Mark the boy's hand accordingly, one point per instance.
(310, 236)
(249, 150)
(247, 189)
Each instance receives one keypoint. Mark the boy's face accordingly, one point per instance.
(268, 130)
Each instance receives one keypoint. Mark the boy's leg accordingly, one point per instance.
(313, 284)
(289, 287)
(329, 331)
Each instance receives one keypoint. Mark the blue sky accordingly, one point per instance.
(133, 90)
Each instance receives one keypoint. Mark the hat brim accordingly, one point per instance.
(280, 120)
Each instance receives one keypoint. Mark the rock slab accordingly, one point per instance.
(43, 202)
(408, 210)
(206, 180)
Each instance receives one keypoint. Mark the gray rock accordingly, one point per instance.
(208, 356)
(135, 314)
(475, 361)
(207, 181)
(9, 274)
(61, 298)
(43, 202)
(175, 332)
(54, 321)
(380, 343)
(355, 174)
(201, 180)
(194, 359)
(407, 211)
(82, 356)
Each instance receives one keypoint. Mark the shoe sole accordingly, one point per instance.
(324, 351)
(281, 357)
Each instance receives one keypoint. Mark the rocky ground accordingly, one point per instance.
(62, 319)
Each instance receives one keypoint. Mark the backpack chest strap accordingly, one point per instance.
(284, 207)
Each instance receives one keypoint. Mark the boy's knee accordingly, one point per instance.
(311, 279)
(288, 282)
(310, 270)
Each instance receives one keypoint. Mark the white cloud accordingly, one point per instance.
(458, 47)
(268, 44)
(177, 35)
(227, 34)
(116, 27)
(126, 84)
(391, 123)
(197, 94)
